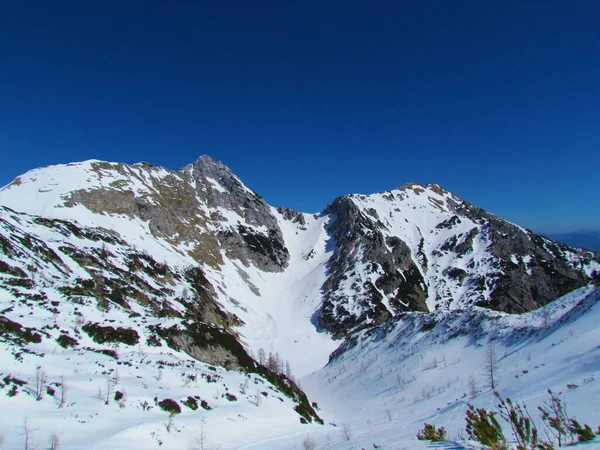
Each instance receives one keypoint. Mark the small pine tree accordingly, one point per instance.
(554, 416)
(584, 433)
(430, 433)
(520, 422)
(483, 427)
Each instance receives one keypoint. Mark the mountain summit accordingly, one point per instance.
(415, 248)
(163, 289)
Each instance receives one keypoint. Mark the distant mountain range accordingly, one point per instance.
(590, 240)
(130, 294)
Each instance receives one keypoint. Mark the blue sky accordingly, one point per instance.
(498, 102)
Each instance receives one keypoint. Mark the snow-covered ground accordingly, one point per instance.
(278, 307)
(379, 390)
(399, 377)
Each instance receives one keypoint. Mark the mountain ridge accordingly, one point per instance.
(192, 272)
(204, 208)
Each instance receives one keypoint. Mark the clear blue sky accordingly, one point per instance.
(498, 102)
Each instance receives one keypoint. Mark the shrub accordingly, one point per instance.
(520, 422)
(191, 403)
(483, 427)
(205, 405)
(584, 433)
(102, 334)
(13, 391)
(170, 406)
(20, 333)
(104, 351)
(66, 341)
(595, 276)
(230, 397)
(430, 433)
(118, 396)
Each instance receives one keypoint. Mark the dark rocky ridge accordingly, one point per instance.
(550, 271)
(265, 250)
(373, 274)
(175, 211)
(353, 231)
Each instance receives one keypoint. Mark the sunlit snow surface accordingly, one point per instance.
(397, 371)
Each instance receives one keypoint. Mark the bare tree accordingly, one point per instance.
(40, 382)
(346, 431)
(308, 443)
(200, 441)
(272, 362)
(63, 392)
(388, 413)
(26, 433)
(490, 364)
(244, 387)
(472, 387)
(258, 398)
(108, 389)
(78, 321)
(54, 442)
(261, 357)
(546, 317)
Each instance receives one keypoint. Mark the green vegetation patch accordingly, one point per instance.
(101, 334)
(19, 333)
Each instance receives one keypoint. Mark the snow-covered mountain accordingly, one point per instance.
(387, 381)
(191, 274)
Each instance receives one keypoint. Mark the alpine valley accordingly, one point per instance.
(142, 307)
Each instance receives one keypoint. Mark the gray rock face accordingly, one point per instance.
(177, 206)
(170, 207)
(292, 215)
(374, 275)
(534, 269)
(266, 250)
(358, 241)
(411, 249)
(233, 196)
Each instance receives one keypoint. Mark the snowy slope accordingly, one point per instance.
(275, 307)
(415, 214)
(164, 252)
(421, 248)
(416, 368)
(101, 317)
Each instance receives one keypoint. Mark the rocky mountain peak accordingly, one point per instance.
(247, 228)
